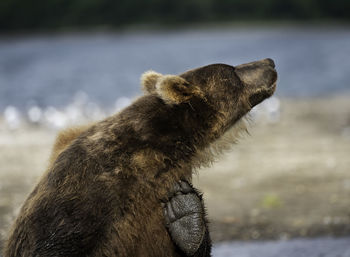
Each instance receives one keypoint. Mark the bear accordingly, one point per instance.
(185, 205)
(183, 195)
(122, 186)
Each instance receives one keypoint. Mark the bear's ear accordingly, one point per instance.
(149, 80)
(175, 90)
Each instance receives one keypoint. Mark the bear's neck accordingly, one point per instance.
(162, 136)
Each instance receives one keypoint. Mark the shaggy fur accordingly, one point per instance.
(101, 195)
(65, 138)
(148, 80)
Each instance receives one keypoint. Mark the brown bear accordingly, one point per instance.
(121, 187)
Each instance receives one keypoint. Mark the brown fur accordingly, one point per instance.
(101, 195)
(175, 90)
(65, 138)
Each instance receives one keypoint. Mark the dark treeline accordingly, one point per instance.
(53, 14)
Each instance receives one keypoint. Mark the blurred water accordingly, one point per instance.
(319, 247)
(53, 70)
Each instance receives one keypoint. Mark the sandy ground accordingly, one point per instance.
(289, 178)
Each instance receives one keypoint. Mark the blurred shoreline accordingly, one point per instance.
(289, 178)
(50, 16)
(150, 28)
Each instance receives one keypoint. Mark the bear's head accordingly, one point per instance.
(230, 91)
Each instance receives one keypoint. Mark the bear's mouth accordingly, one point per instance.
(262, 94)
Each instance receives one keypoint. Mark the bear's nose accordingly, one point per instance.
(270, 62)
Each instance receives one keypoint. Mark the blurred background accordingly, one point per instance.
(69, 62)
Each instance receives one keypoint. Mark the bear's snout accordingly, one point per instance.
(257, 74)
(259, 79)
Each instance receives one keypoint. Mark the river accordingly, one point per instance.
(50, 70)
